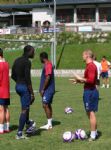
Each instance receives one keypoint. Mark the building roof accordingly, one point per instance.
(28, 7)
(61, 2)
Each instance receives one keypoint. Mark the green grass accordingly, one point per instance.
(71, 57)
(69, 95)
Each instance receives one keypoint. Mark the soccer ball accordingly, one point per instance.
(68, 136)
(68, 110)
(80, 134)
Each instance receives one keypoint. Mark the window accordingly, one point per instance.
(65, 15)
(105, 14)
(86, 14)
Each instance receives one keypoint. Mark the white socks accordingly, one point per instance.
(93, 134)
(50, 122)
(6, 126)
(107, 85)
(1, 128)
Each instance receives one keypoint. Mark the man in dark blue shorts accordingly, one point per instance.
(47, 88)
(91, 94)
(22, 76)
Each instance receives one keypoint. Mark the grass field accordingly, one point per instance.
(69, 95)
(68, 57)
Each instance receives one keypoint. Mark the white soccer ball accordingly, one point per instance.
(80, 134)
(68, 136)
(68, 110)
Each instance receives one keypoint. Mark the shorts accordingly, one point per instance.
(104, 74)
(47, 98)
(90, 99)
(4, 102)
(25, 96)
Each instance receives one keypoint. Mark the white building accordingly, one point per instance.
(72, 13)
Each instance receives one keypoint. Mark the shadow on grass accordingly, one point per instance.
(39, 131)
(13, 127)
(100, 98)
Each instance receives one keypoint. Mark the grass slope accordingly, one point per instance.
(69, 95)
(71, 57)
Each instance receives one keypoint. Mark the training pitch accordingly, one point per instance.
(66, 95)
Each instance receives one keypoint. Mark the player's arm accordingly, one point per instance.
(48, 73)
(46, 83)
(1, 74)
(13, 76)
(28, 80)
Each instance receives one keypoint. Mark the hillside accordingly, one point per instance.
(71, 57)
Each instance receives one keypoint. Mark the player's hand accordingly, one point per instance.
(73, 81)
(32, 99)
(42, 93)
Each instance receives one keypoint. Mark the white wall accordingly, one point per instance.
(42, 14)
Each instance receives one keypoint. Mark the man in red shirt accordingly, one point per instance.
(4, 95)
(91, 95)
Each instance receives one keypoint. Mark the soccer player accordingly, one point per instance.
(99, 69)
(4, 95)
(105, 68)
(91, 94)
(22, 76)
(47, 88)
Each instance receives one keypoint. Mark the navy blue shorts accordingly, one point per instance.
(104, 74)
(90, 99)
(47, 98)
(25, 96)
(4, 102)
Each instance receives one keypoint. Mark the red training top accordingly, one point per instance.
(91, 76)
(4, 80)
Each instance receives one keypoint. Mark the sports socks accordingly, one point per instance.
(50, 122)
(22, 122)
(93, 134)
(1, 128)
(6, 126)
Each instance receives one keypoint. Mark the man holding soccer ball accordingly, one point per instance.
(91, 94)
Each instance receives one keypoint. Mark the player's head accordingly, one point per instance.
(87, 54)
(43, 57)
(104, 58)
(1, 52)
(29, 51)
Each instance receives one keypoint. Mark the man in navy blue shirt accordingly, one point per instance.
(47, 88)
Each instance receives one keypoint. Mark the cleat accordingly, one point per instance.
(91, 139)
(46, 127)
(7, 131)
(21, 137)
(31, 128)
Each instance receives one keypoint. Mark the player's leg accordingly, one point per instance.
(2, 118)
(47, 101)
(107, 80)
(103, 80)
(25, 103)
(93, 124)
(7, 120)
(48, 112)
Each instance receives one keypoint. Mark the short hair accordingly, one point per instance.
(27, 49)
(44, 55)
(90, 53)
(1, 52)
(104, 57)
